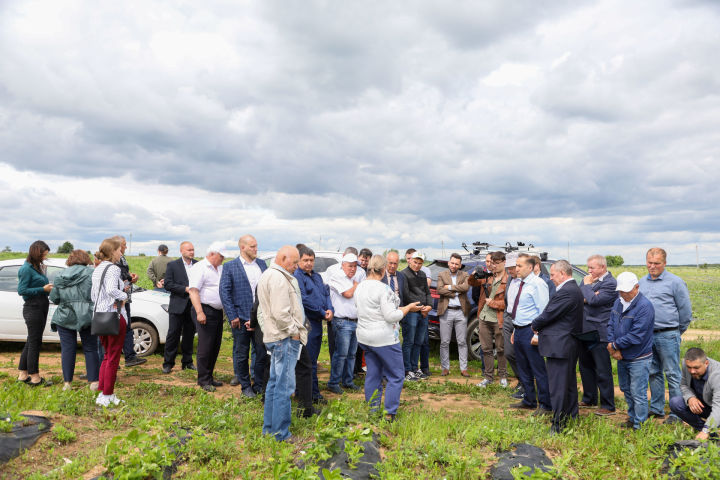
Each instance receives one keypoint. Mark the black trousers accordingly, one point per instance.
(331, 338)
(303, 380)
(209, 340)
(562, 381)
(181, 325)
(596, 374)
(509, 348)
(35, 312)
(261, 373)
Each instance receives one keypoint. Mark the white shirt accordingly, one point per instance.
(378, 314)
(187, 266)
(204, 277)
(563, 283)
(454, 301)
(253, 272)
(339, 283)
(512, 290)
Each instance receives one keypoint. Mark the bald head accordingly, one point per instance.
(248, 247)
(393, 260)
(288, 257)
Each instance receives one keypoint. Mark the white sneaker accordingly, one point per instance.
(420, 375)
(503, 382)
(114, 400)
(410, 377)
(103, 400)
(484, 383)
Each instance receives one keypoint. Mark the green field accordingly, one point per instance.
(445, 428)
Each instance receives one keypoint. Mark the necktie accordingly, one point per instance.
(517, 300)
(392, 283)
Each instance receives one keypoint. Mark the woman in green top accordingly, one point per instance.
(71, 294)
(34, 287)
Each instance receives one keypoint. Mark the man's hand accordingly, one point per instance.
(512, 338)
(328, 315)
(133, 278)
(695, 405)
(588, 279)
(235, 323)
(702, 436)
(160, 283)
(425, 310)
(296, 337)
(247, 326)
(617, 355)
(201, 319)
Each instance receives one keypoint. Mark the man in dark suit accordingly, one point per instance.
(557, 326)
(599, 292)
(391, 277)
(180, 323)
(237, 292)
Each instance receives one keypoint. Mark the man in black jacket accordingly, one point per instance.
(557, 327)
(180, 324)
(415, 324)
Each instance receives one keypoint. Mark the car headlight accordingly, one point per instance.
(165, 306)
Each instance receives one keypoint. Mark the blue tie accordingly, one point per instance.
(392, 282)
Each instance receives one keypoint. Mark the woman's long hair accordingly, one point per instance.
(35, 254)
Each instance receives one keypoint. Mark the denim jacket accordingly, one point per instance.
(631, 331)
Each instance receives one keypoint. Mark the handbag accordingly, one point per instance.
(104, 323)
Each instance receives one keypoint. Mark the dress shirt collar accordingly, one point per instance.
(562, 284)
(602, 277)
(245, 262)
(660, 277)
(625, 304)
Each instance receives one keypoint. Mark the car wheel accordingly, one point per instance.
(145, 337)
(473, 339)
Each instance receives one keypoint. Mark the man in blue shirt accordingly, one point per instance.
(317, 306)
(671, 300)
(531, 299)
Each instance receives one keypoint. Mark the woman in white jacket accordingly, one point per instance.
(378, 334)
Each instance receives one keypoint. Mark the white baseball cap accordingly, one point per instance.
(419, 255)
(217, 247)
(511, 260)
(349, 258)
(626, 281)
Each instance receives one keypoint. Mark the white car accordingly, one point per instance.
(148, 310)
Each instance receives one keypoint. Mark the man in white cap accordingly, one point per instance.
(342, 290)
(414, 325)
(204, 291)
(630, 342)
(511, 291)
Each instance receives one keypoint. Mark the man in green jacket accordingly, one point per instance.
(158, 266)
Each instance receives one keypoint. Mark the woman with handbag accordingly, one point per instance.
(34, 287)
(108, 321)
(71, 293)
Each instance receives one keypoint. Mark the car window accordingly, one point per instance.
(578, 276)
(9, 278)
(322, 264)
(53, 272)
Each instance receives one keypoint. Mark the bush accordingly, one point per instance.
(66, 247)
(614, 260)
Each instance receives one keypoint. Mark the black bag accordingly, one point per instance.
(104, 323)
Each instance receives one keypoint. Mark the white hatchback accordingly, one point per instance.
(148, 310)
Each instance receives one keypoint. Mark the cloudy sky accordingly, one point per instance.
(593, 124)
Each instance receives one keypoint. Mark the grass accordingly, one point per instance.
(444, 429)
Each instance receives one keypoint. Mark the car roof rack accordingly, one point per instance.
(483, 248)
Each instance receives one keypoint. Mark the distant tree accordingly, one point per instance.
(7, 249)
(66, 247)
(141, 254)
(614, 260)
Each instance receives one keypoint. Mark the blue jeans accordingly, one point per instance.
(680, 408)
(384, 362)
(241, 354)
(68, 351)
(343, 359)
(280, 386)
(633, 379)
(665, 359)
(414, 329)
(314, 343)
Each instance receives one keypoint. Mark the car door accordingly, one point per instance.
(12, 324)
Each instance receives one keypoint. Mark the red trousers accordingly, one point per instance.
(113, 345)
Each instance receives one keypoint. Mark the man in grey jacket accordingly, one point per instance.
(699, 405)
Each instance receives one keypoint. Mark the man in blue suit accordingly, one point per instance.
(391, 277)
(557, 327)
(599, 292)
(237, 293)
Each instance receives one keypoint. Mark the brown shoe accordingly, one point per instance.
(604, 412)
(445, 372)
(586, 405)
(464, 373)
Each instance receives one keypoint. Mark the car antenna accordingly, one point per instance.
(464, 245)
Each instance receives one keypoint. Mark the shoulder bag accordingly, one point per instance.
(104, 323)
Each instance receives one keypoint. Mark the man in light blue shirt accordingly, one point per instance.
(530, 301)
(669, 296)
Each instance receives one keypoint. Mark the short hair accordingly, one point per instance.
(657, 251)
(456, 255)
(78, 257)
(300, 246)
(377, 265)
(163, 249)
(532, 259)
(694, 354)
(108, 247)
(35, 253)
(365, 252)
(352, 250)
(185, 243)
(526, 257)
(410, 251)
(303, 250)
(497, 256)
(563, 266)
(598, 258)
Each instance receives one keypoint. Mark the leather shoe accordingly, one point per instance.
(352, 386)
(522, 406)
(335, 389)
(604, 412)
(135, 361)
(189, 366)
(166, 370)
(208, 388)
(464, 373)
(320, 400)
(445, 372)
(234, 382)
(216, 383)
(541, 412)
(586, 405)
(309, 412)
(518, 395)
(249, 393)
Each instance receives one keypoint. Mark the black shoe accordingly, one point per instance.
(320, 400)
(522, 406)
(234, 382)
(309, 412)
(335, 389)
(627, 424)
(189, 366)
(166, 370)
(426, 372)
(83, 376)
(518, 395)
(135, 361)
(352, 386)
(541, 412)
(41, 383)
(208, 388)
(248, 392)
(656, 415)
(216, 383)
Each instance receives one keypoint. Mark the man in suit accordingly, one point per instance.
(238, 282)
(598, 289)
(452, 309)
(180, 319)
(394, 280)
(557, 327)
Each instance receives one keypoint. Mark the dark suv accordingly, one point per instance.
(472, 260)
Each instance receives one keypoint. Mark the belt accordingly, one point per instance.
(454, 307)
(667, 329)
(346, 318)
(211, 307)
(524, 326)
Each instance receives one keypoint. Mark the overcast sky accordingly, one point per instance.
(379, 124)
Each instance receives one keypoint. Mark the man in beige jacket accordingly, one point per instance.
(284, 333)
(453, 309)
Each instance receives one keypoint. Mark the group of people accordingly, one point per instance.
(541, 325)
